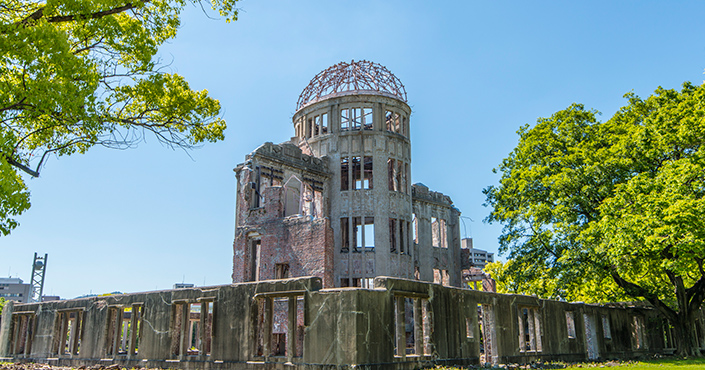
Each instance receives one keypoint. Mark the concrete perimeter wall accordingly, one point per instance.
(400, 324)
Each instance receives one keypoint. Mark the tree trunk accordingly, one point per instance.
(685, 338)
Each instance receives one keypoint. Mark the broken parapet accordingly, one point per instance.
(398, 324)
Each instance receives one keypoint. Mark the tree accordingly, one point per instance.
(611, 210)
(79, 73)
(2, 304)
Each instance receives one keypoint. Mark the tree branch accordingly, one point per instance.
(19, 165)
(39, 13)
(638, 291)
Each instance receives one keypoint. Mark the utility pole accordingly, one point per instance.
(39, 267)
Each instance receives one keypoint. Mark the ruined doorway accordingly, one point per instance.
(591, 337)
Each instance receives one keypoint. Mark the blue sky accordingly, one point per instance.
(474, 72)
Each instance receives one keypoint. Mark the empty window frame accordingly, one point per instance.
(570, 324)
(441, 276)
(606, 329)
(415, 226)
(22, 333)
(638, 333)
(391, 169)
(345, 234)
(438, 232)
(344, 173)
(281, 271)
(279, 329)
(397, 174)
(369, 234)
(403, 236)
(413, 326)
(192, 327)
(356, 119)
(393, 235)
(481, 333)
(367, 173)
(124, 324)
(345, 119)
(529, 330)
(323, 122)
(393, 122)
(400, 180)
(254, 257)
(363, 234)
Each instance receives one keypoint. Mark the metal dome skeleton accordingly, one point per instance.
(355, 76)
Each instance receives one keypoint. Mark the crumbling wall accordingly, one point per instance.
(437, 240)
(282, 230)
(400, 324)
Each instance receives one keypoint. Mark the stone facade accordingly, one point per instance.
(347, 169)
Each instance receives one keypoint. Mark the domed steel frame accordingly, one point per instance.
(355, 76)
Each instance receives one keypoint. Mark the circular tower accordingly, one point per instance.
(356, 115)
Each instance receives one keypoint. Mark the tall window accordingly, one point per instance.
(367, 173)
(357, 172)
(345, 120)
(362, 237)
(393, 122)
(392, 235)
(345, 234)
(344, 173)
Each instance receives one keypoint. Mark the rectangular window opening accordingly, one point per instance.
(356, 118)
(368, 122)
(280, 326)
(344, 173)
(324, 123)
(367, 178)
(391, 167)
(392, 235)
(357, 234)
(402, 239)
(481, 333)
(345, 119)
(570, 323)
(606, 330)
(529, 330)
(281, 271)
(398, 177)
(344, 235)
(369, 233)
(392, 122)
(316, 125)
(357, 173)
(435, 232)
(22, 334)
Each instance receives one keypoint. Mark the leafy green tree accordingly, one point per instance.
(2, 304)
(79, 73)
(611, 210)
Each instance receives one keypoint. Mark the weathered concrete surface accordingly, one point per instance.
(398, 324)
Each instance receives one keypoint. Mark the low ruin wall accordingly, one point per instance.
(400, 324)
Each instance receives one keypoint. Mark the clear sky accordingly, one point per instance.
(474, 71)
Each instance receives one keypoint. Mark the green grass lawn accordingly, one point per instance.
(661, 364)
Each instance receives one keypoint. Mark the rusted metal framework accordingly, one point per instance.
(357, 76)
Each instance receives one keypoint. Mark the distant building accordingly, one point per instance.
(183, 285)
(48, 298)
(13, 289)
(478, 257)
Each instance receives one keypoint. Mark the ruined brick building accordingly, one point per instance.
(336, 201)
(335, 205)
